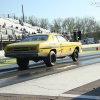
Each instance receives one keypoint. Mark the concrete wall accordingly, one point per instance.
(1, 53)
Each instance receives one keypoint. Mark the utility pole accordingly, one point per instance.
(23, 13)
(8, 15)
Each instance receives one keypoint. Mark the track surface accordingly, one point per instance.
(77, 80)
(12, 74)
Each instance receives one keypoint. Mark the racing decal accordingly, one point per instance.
(61, 49)
(58, 54)
(58, 50)
(52, 43)
(69, 51)
(41, 50)
(64, 54)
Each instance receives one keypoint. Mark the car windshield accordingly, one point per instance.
(36, 38)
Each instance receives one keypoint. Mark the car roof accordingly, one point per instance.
(45, 34)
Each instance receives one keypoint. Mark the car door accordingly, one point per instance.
(58, 46)
(66, 47)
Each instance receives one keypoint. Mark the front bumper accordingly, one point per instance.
(22, 55)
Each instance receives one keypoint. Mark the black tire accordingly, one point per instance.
(22, 63)
(75, 55)
(51, 59)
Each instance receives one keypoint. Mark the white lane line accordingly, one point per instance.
(66, 67)
(81, 96)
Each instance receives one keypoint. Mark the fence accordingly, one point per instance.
(10, 38)
(9, 34)
(7, 15)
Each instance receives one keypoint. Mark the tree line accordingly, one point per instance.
(88, 26)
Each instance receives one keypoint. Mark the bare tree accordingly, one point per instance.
(88, 25)
(68, 25)
(57, 25)
(44, 23)
(33, 20)
(78, 23)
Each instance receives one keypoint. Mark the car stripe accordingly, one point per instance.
(49, 47)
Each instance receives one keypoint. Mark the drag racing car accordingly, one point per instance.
(46, 47)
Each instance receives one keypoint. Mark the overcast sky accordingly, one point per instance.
(52, 9)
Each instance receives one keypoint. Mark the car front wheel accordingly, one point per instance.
(51, 59)
(22, 63)
(75, 55)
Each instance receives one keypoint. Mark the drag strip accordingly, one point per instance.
(36, 70)
(32, 64)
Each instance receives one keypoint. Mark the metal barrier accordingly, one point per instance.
(10, 34)
(10, 38)
(90, 46)
(11, 15)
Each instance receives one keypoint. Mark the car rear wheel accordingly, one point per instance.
(51, 59)
(75, 55)
(23, 63)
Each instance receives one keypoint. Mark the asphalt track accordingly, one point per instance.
(11, 75)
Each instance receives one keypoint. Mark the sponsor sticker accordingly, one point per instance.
(41, 50)
(52, 43)
(69, 51)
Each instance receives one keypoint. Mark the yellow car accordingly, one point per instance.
(46, 47)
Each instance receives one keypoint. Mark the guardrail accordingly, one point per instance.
(83, 47)
(90, 46)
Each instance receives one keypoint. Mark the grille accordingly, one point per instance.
(21, 49)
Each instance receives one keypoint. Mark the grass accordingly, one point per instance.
(7, 62)
(13, 61)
